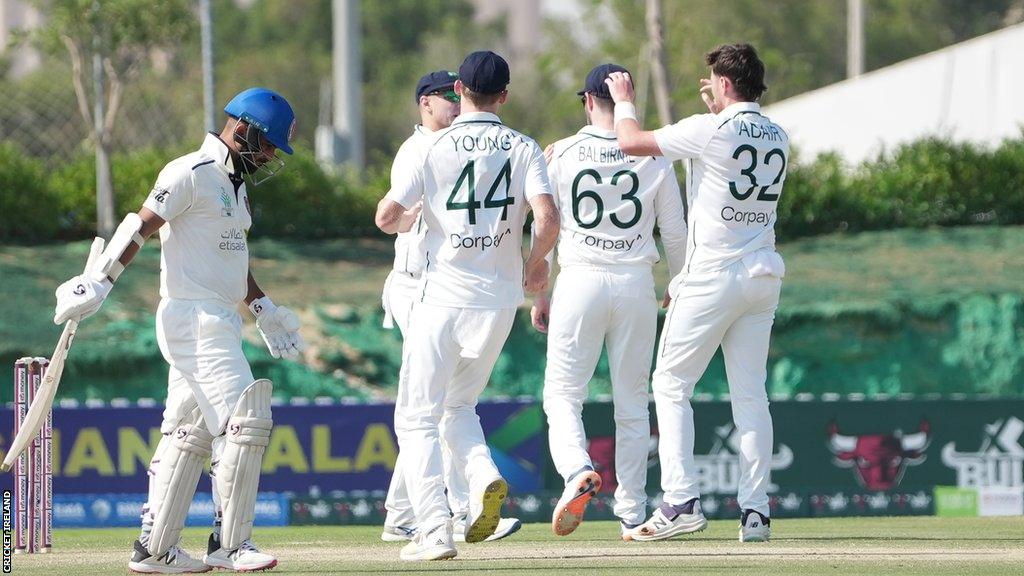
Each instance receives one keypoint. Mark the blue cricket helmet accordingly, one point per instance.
(269, 112)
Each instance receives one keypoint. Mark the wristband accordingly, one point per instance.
(259, 305)
(625, 111)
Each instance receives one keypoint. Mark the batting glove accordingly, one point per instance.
(80, 297)
(279, 327)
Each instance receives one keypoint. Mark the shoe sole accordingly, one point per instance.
(496, 536)
(445, 554)
(269, 566)
(143, 569)
(146, 569)
(754, 537)
(485, 524)
(569, 516)
(689, 528)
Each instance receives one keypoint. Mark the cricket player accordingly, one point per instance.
(216, 411)
(477, 182)
(438, 106)
(609, 202)
(729, 289)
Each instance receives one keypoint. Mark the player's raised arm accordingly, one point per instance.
(632, 139)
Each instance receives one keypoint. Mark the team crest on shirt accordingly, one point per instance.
(226, 208)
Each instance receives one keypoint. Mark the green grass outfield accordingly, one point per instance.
(863, 546)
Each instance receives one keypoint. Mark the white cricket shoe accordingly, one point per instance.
(668, 521)
(755, 527)
(397, 534)
(246, 558)
(506, 527)
(570, 508)
(174, 561)
(627, 530)
(433, 544)
(485, 511)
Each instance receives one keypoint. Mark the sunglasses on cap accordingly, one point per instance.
(448, 95)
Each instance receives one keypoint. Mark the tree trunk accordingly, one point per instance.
(104, 181)
(659, 76)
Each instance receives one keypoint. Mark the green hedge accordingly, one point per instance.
(927, 183)
(930, 182)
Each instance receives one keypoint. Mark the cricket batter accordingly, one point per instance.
(728, 292)
(438, 105)
(477, 182)
(609, 202)
(215, 409)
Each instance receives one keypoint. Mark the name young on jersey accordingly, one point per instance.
(470, 143)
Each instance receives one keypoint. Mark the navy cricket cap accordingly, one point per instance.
(484, 72)
(595, 80)
(439, 81)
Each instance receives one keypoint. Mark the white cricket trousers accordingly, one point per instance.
(441, 342)
(400, 290)
(593, 307)
(735, 309)
(201, 340)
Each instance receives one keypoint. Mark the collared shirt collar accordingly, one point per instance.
(603, 133)
(215, 148)
(737, 107)
(476, 117)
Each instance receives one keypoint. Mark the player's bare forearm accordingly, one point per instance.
(253, 291)
(634, 141)
(389, 216)
(545, 226)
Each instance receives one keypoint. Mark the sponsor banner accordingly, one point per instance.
(120, 510)
(954, 502)
(861, 457)
(316, 447)
(859, 503)
(1000, 501)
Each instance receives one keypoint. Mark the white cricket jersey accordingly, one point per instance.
(475, 183)
(409, 245)
(204, 251)
(609, 203)
(736, 167)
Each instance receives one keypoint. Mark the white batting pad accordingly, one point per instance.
(238, 470)
(127, 233)
(176, 477)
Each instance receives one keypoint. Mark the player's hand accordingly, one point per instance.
(620, 86)
(279, 327)
(549, 153)
(409, 217)
(540, 312)
(667, 299)
(535, 278)
(80, 297)
(708, 97)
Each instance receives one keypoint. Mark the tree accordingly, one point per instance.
(116, 37)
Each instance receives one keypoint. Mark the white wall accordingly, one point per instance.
(972, 91)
